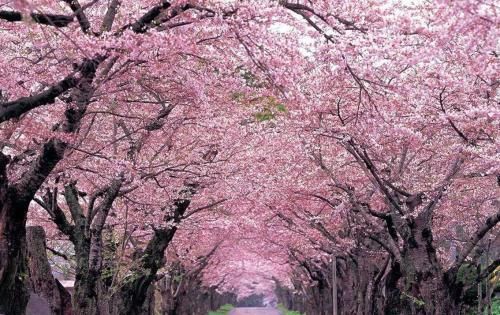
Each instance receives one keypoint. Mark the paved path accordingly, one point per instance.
(254, 311)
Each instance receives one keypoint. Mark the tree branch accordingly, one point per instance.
(71, 196)
(144, 22)
(484, 274)
(57, 253)
(87, 70)
(298, 8)
(488, 270)
(153, 257)
(53, 150)
(490, 223)
(365, 161)
(15, 109)
(109, 17)
(56, 20)
(56, 213)
(427, 212)
(80, 15)
(102, 210)
(32, 179)
(213, 204)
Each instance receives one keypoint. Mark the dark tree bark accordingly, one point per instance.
(56, 20)
(40, 276)
(132, 294)
(13, 214)
(90, 292)
(14, 109)
(15, 197)
(360, 284)
(86, 236)
(199, 300)
(181, 290)
(410, 279)
(13, 289)
(425, 286)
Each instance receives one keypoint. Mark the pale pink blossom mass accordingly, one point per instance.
(268, 136)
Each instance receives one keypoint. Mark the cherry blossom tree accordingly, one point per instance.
(397, 138)
(83, 42)
(140, 132)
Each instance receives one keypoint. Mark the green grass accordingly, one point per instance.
(223, 310)
(495, 308)
(287, 312)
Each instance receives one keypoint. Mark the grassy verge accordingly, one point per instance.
(223, 310)
(495, 308)
(287, 312)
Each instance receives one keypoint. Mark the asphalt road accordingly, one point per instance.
(254, 311)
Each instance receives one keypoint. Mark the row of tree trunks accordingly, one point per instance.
(49, 297)
(361, 286)
(366, 288)
(202, 300)
(16, 196)
(370, 284)
(412, 280)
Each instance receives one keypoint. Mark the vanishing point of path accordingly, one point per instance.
(254, 311)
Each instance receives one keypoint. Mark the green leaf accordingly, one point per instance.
(264, 115)
(281, 108)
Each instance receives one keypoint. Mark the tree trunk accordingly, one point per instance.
(89, 291)
(426, 289)
(85, 296)
(133, 292)
(41, 280)
(16, 197)
(13, 272)
(86, 236)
